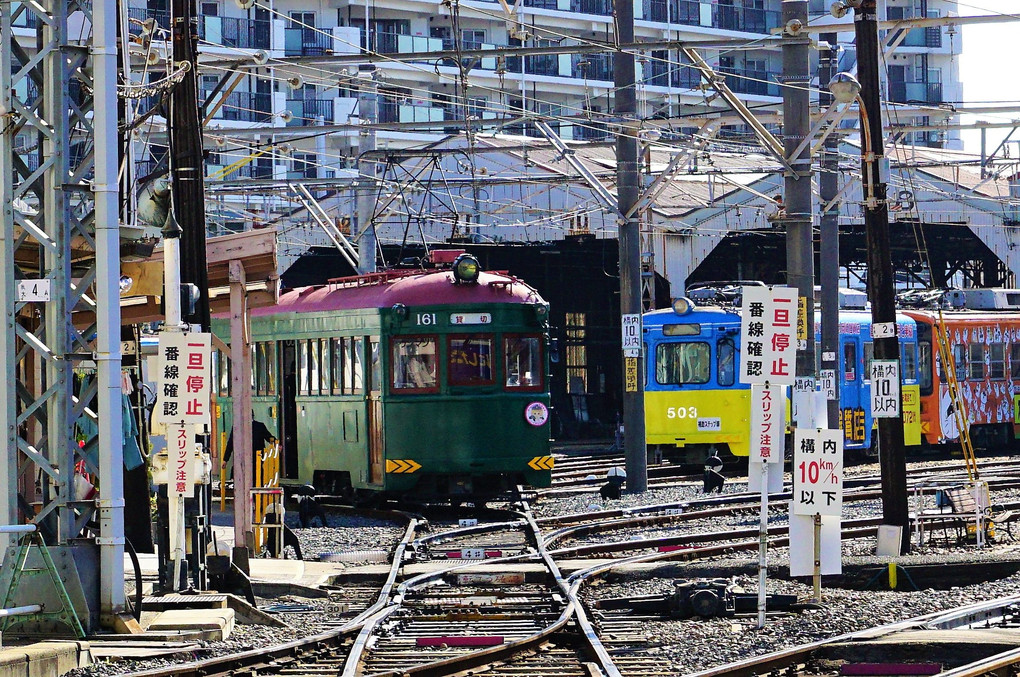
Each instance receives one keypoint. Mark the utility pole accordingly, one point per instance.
(187, 167)
(368, 107)
(828, 187)
(880, 272)
(627, 193)
(187, 196)
(800, 258)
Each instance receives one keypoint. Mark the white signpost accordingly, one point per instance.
(768, 345)
(885, 388)
(631, 335)
(183, 405)
(817, 494)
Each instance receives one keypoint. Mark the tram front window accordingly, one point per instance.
(680, 363)
(469, 360)
(414, 363)
(523, 361)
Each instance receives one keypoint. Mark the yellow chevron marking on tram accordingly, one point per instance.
(542, 463)
(399, 466)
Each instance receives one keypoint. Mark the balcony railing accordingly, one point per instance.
(26, 19)
(219, 30)
(746, 81)
(598, 7)
(746, 19)
(241, 106)
(307, 42)
(590, 131)
(386, 43)
(915, 92)
(656, 10)
(235, 32)
(592, 66)
(307, 111)
(541, 4)
(388, 110)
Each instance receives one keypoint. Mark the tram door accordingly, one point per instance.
(288, 408)
(375, 428)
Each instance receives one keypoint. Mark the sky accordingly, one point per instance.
(986, 74)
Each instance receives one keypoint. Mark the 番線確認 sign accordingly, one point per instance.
(768, 335)
(184, 379)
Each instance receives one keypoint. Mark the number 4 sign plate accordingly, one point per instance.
(817, 471)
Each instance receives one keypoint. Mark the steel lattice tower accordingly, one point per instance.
(58, 183)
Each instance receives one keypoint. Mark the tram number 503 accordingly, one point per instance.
(681, 412)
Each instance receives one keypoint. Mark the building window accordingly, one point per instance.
(576, 353)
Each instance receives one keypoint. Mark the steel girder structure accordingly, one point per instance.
(60, 223)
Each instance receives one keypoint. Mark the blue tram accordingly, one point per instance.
(694, 402)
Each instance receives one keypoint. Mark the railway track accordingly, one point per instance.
(460, 618)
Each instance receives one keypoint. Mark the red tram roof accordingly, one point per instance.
(383, 290)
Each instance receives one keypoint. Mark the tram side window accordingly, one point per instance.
(414, 363)
(314, 378)
(678, 363)
(357, 368)
(375, 373)
(523, 361)
(302, 367)
(265, 368)
(1014, 361)
(221, 373)
(976, 362)
(925, 380)
(469, 360)
(849, 362)
(336, 357)
(726, 354)
(869, 356)
(997, 360)
(908, 367)
(959, 360)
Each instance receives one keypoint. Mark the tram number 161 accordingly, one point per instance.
(426, 319)
(681, 412)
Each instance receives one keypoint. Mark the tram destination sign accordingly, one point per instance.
(768, 335)
(183, 394)
(817, 472)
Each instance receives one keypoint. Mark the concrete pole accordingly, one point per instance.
(881, 288)
(828, 187)
(627, 193)
(108, 362)
(368, 107)
(800, 260)
(172, 323)
(240, 385)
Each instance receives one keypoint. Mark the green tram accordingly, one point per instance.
(432, 382)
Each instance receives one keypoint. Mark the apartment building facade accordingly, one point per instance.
(261, 126)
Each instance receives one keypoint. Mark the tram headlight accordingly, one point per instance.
(466, 268)
(683, 305)
(399, 311)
